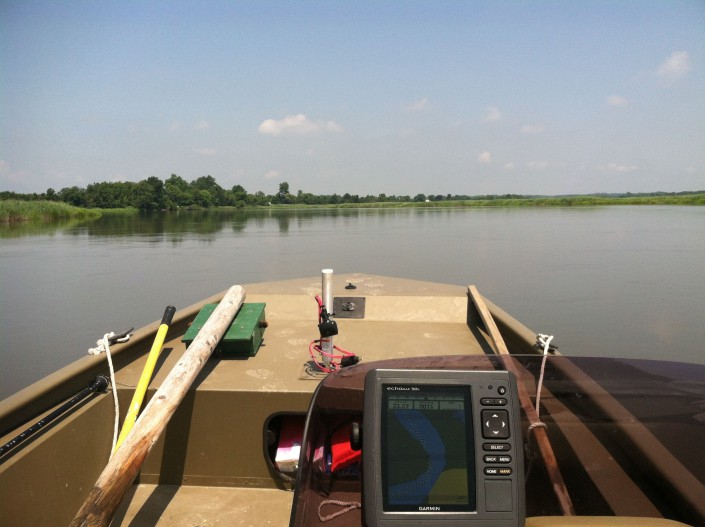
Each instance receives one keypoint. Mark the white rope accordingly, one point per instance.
(349, 506)
(545, 341)
(103, 345)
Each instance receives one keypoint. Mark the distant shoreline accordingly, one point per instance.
(537, 202)
(12, 211)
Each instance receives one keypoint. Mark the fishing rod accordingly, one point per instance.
(99, 384)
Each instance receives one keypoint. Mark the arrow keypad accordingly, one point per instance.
(495, 424)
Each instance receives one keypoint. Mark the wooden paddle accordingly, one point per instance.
(544, 445)
(99, 507)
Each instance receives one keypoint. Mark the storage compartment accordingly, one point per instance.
(244, 336)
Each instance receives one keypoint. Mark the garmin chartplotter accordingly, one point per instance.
(442, 448)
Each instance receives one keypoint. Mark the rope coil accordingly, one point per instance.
(103, 345)
(349, 506)
(545, 341)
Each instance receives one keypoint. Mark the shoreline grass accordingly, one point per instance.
(16, 211)
(533, 202)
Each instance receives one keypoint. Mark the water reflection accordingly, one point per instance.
(29, 228)
(204, 223)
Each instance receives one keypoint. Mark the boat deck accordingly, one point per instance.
(221, 474)
(402, 319)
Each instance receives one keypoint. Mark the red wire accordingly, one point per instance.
(313, 348)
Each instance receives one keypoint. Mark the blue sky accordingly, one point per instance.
(404, 97)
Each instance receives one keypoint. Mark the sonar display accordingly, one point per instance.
(427, 440)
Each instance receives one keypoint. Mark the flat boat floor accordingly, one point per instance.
(213, 466)
(190, 506)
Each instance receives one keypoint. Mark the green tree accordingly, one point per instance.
(149, 194)
(238, 196)
(178, 192)
(73, 196)
(217, 193)
(283, 195)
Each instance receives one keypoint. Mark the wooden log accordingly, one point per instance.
(544, 445)
(99, 507)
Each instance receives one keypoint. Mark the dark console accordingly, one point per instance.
(442, 448)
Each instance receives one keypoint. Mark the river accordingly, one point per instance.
(606, 281)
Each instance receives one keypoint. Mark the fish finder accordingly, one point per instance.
(442, 448)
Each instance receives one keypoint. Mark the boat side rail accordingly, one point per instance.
(45, 394)
(520, 340)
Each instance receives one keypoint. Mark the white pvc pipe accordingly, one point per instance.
(327, 297)
(327, 289)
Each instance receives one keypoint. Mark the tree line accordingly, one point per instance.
(204, 192)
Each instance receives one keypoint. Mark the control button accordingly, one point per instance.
(493, 401)
(501, 390)
(496, 447)
(498, 471)
(495, 424)
(493, 458)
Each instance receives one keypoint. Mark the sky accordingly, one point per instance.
(364, 97)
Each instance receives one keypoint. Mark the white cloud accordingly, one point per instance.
(272, 174)
(297, 124)
(206, 151)
(537, 164)
(618, 168)
(485, 158)
(202, 125)
(8, 175)
(616, 100)
(675, 66)
(532, 129)
(175, 126)
(419, 105)
(492, 114)
(509, 166)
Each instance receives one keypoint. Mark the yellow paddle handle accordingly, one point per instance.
(146, 376)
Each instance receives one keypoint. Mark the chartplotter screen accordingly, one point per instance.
(427, 448)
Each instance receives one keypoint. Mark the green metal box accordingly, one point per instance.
(242, 338)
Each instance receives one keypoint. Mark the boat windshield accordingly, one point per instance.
(626, 434)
